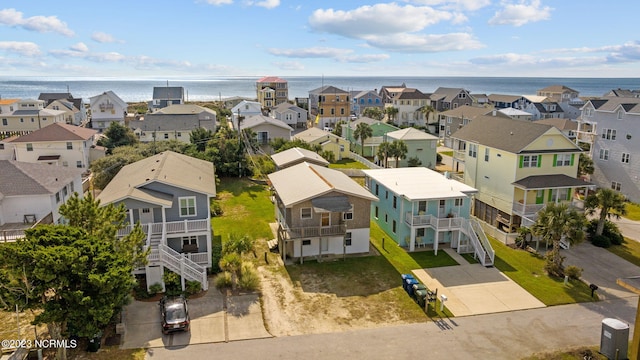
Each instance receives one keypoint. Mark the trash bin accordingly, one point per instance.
(421, 297)
(614, 339)
(408, 287)
(417, 287)
(405, 277)
(94, 342)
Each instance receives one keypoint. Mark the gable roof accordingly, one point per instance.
(58, 132)
(513, 112)
(313, 134)
(328, 89)
(411, 134)
(8, 101)
(504, 98)
(21, 178)
(410, 94)
(297, 155)
(183, 109)
(169, 168)
(287, 106)
(611, 104)
(446, 94)
(557, 89)
(111, 95)
(561, 124)
(318, 181)
(255, 120)
(502, 133)
(468, 111)
(272, 79)
(419, 183)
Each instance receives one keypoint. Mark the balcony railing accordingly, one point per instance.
(433, 221)
(459, 154)
(313, 231)
(172, 227)
(528, 209)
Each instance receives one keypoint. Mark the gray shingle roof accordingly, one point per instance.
(501, 133)
(168, 92)
(21, 178)
(549, 181)
(58, 132)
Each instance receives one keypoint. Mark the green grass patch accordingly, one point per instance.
(470, 258)
(629, 250)
(246, 210)
(527, 270)
(633, 211)
(447, 153)
(347, 164)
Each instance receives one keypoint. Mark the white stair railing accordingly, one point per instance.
(483, 239)
(180, 264)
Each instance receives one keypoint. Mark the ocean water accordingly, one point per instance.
(207, 89)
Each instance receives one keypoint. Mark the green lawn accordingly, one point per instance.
(629, 250)
(447, 153)
(633, 211)
(347, 164)
(527, 270)
(246, 210)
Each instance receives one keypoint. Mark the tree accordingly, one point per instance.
(414, 162)
(199, 137)
(608, 202)
(555, 222)
(384, 149)
(104, 169)
(239, 244)
(118, 135)
(585, 165)
(399, 151)
(363, 131)
(231, 262)
(427, 110)
(391, 112)
(374, 113)
(337, 131)
(225, 151)
(328, 155)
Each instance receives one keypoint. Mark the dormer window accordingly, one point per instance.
(620, 114)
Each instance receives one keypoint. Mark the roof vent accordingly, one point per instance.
(152, 170)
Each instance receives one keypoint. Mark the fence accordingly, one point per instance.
(361, 159)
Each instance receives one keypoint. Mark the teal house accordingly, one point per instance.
(420, 145)
(378, 128)
(423, 209)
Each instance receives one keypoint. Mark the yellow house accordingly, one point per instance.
(517, 166)
(328, 141)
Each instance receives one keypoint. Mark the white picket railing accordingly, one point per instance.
(363, 160)
(182, 265)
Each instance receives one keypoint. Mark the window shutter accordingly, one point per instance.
(539, 160)
(521, 160)
(569, 191)
(572, 157)
(550, 195)
(555, 160)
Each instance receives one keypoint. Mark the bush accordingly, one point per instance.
(249, 279)
(438, 158)
(140, 292)
(610, 231)
(223, 280)
(573, 272)
(192, 287)
(155, 289)
(216, 255)
(172, 284)
(216, 209)
(600, 241)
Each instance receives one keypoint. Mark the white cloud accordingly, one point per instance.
(289, 65)
(425, 42)
(102, 37)
(23, 48)
(366, 58)
(470, 5)
(521, 13)
(381, 19)
(313, 52)
(81, 47)
(268, 4)
(219, 2)
(41, 24)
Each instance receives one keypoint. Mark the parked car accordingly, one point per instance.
(175, 314)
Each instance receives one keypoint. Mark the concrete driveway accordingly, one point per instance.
(214, 318)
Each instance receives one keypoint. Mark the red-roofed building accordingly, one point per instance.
(272, 91)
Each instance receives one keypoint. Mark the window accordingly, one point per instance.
(620, 114)
(341, 148)
(347, 215)
(325, 219)
(395, 202)
(69, 145)
(609, 134)
(166, 135)
(146, 210)
(386, 194)
(604, 154)
(79, 164)
(462, 96)
(64, 191)
(347, 239)
(528, 161)
(458, 202)
(386, 218)
(306, 242)
(625, 158)
(393, 226)
(187, 206)
(71, 187)
(189, 240)
(179, 134)
(422, 206)
(57, 197)
(473, 150)
(29, 147)
(377, 189)
(65, 163)
(4, 122)
(563, 160)
(420, 232)
(587, 112)
(375, 212)
(486, 154)
(615, 185)
(305, 213)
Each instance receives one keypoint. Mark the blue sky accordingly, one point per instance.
(212, 38)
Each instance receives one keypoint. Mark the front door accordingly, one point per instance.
(324, 245)
(146, 216)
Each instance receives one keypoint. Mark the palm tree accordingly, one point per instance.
(427, 110)
(609, 202)
(399, 150)
(585, 165)
(554, 222)
(363, 131)
(384, 150)
(391, 113)
(231, 262)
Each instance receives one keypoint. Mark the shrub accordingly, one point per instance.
(216, 255)
(223, 280)
(140, 292)
(155, 288)
(573, 272)
(249, 279)
(172, 284)
(438, 158)
(192, 287)
(600, 241)
(216, 208)
(610, 231)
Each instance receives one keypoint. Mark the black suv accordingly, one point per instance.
(175, 314)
